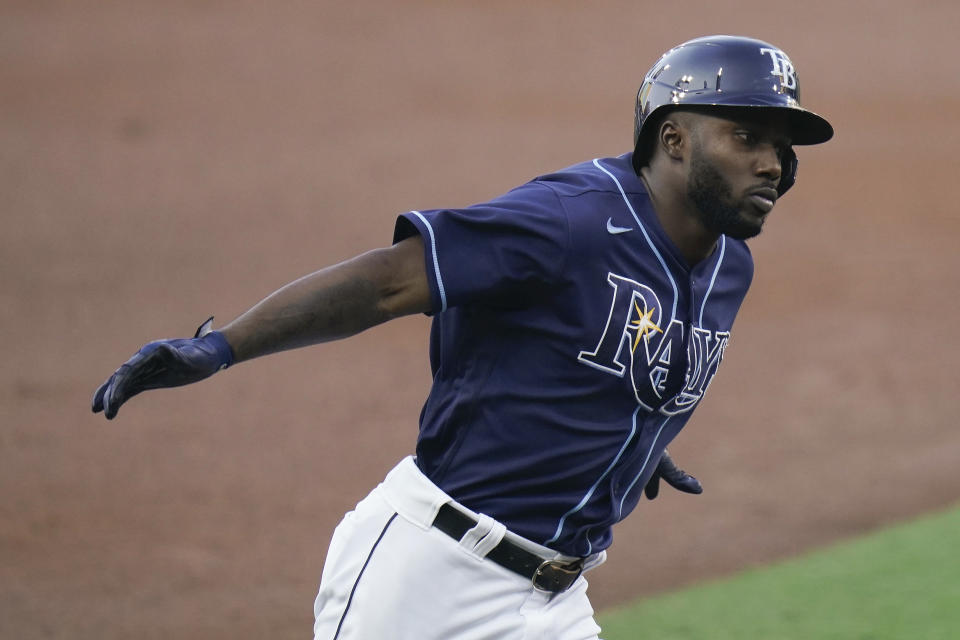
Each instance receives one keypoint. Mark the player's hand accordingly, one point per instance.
(164, 363)
(673, 475)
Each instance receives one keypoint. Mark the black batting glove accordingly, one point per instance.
(164, 363)
(673, 475)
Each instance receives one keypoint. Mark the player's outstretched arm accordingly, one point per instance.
(335, 302)
(332, 303)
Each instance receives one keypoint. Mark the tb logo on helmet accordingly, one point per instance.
(782, 67)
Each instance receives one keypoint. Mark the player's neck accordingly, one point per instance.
(678, 217)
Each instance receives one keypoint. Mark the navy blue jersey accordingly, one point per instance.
(569, 345)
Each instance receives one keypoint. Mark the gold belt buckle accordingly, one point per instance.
(555, 577)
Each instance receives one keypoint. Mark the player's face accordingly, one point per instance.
(734, 171)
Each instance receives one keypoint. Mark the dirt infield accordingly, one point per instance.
(164, 161)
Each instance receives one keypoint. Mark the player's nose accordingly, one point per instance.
(768, 163)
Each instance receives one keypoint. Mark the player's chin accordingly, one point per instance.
(747, 225)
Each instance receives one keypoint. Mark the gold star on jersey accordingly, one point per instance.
(644, 324)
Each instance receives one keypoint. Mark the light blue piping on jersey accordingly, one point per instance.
(436, 263)
(640, 473)
(633, 429)
(586, 498)
(666, 270)
(723, 246)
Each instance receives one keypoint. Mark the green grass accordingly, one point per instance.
(900, 583)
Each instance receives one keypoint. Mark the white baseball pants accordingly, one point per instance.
(389, 575)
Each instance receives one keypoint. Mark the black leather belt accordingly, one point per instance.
(546, 575)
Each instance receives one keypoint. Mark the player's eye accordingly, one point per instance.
(746, 137)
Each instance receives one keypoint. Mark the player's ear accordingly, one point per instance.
(672, 136)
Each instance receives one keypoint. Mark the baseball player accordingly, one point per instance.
(577, 322)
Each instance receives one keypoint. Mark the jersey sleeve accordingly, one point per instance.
(498, 252)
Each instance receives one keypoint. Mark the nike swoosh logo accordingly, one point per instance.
(612, 228)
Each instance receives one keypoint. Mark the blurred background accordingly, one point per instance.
(164, 161)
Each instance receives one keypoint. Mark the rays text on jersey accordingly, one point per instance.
(636, 318)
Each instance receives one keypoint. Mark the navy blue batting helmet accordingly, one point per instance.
(727, 72)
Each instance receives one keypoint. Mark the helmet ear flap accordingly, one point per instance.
(788, 170)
